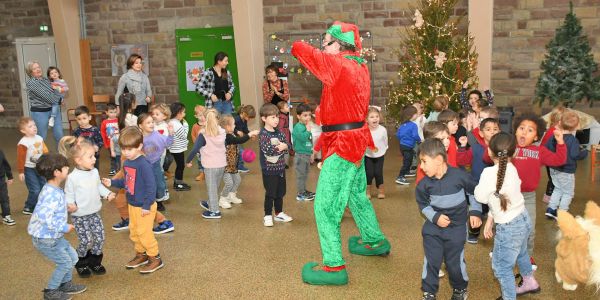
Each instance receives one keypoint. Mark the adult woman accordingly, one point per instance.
(274, 89)
(216, 85)
(41, 97)
(137, 83)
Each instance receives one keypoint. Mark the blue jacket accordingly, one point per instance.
(574, 153)
(408, 134)
(49, 219)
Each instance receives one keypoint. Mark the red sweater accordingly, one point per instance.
(528, 161)
(549, 133)
(107, 129)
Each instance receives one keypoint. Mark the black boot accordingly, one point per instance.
(82, 266)
(96, 264)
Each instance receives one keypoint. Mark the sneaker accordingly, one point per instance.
(164, 227)
(428, 296)
(472, 239)
(301, 197)
(534, 267)
(282, 217)
(234, 199)
(224, 202)
(123, 225)
(154, 263)
(491, 254)
(243, 169)
(27, 211)
(529, 286)
(459, 294)
(204, 204)
(182, 186)
(211, 215)
(308, 196)
(112, 173)
(160, 206)
(551, 213)
(140, 259)
(268, 221)
(51, 122)
(8, 220)
(70, 288)
(167, 196)
(411, 173)
(401, 180)
(310, 193)
(56, 295)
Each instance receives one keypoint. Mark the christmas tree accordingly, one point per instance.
(435, 58)
(567, 71)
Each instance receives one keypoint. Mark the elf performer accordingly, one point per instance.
(345, 138)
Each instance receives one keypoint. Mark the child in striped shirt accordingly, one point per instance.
(180, 143)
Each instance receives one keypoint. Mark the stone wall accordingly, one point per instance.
(151, 22)
(20, 18)
(522, 28)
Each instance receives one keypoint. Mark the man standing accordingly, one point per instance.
(345, 138)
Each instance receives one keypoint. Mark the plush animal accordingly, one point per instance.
(578, 250)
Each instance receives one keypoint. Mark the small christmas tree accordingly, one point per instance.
(435, 58)
(567, 71)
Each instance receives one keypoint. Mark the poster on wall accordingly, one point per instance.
(120, 53)
(193, 70)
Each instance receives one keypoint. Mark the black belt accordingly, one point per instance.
(340, 127)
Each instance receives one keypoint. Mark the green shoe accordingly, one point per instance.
(320, 277)
(358, 248)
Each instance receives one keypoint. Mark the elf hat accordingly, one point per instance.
(346, 32)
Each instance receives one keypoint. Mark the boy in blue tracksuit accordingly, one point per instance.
(408, 136)
(441, 199)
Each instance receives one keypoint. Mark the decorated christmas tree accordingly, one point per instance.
(435, 58)
(568, 70)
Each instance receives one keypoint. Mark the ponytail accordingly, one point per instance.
(502, 162)
(212, 122)
(503, 146)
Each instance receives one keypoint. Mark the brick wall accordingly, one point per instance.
(151, 22)
(385, 19)
(522, 28)
(20, 18)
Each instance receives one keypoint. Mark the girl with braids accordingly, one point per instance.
(500, 188)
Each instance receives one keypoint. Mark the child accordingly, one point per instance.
(180, 143)
(140, 188)
(554, 120)
(408, 135)
(196, 129)
(284, 127)
(528, 160)
(500, 188)
(439, 103)
(127, 106)
(474, 135)
(245, 114)
(88, 131)
(273, 146)
(155, 145)
(59, 85)
(108, 128)
(84, 193)
(474, 100)
(420, 121)
(6, 178)
(160, 113)
(563, 176)
(303, 158)
(115, 152)
(231, 177)
(29, 149)
(451, 120)
(211, 145)
(441, 198)
(374, 157)
(48, 224)
(437, 130)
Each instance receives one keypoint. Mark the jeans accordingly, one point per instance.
(223, 107)
(55, 111)
(530, 204)
(564, 189)
(510, 246)
(41, 118)
(240, 162)
(34, 183)
(161, 185)
(62, 254)
(115, 163)
(407, 154)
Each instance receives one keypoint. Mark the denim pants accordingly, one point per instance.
(115, 163)
(55, 111)
(34, 183)
(62, 254)
(510, 246)
(407, 155)
(161, 185)
(223, 107)
(564, 189)
(530, 204)
(41, 118)
(240, 161)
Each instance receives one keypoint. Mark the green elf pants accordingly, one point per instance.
(341, 183)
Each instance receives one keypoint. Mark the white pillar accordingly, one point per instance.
(481, 17)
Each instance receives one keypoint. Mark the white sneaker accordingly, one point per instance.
(234, 199)
(8, 220)
(441, 274)
(224, 202)
(268, 221)
(51, 122)
(282, 217)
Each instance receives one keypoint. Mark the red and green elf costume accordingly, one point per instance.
(345, 138)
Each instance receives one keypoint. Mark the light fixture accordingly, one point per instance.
(43, 28)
